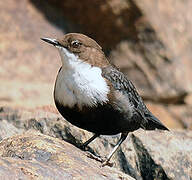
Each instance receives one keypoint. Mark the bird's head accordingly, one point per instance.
(76, 46)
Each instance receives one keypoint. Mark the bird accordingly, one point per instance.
(93, 94)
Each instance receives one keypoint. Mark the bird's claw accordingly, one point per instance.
(82, 147)
(106, 163)
(93, 156)
(103, 160)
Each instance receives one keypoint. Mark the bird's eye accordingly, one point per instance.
(75, 44)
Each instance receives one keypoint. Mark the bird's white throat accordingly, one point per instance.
(79, 83)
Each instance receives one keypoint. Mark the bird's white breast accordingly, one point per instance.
(79, 83)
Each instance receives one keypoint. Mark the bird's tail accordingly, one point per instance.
(154, 123)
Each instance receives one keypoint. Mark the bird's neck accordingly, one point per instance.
(68, 59)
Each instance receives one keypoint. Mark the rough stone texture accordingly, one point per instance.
(164, 155)
(172, 26)
(149, 40)
(152, 40)
(100, 19)
(26, 62)
(161, 112)
(23, 55)
(36, 156)
(143, 155)
(182, 114)
(130, 31)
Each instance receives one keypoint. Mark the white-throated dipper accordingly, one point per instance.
(93, 95)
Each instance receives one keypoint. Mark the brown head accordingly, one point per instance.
(83, 47)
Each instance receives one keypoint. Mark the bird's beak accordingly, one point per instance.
(51, 41)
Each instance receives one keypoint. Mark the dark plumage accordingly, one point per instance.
(123, 112)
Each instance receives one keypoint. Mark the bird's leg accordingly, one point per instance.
(122, 138)
(89, 141)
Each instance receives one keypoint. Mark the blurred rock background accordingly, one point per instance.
(150, 41)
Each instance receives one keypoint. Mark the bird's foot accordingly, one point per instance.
(83, 147)
(103, 160)
(93, 156)
(106, 163)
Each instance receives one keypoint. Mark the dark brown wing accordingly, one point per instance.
(121, 83)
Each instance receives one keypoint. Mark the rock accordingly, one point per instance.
(37, 156)
(149, 41)
(8, 129)
(131, 36)
(24, 55)
(166, 116)
(182, 114)
(172, 115)
(119, 18)
(164, 155)
(143, 154)
(26, 62)
(151, 155)
(188, 99)
(172, 27)
(159, 62)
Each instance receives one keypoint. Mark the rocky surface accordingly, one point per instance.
(151, 43)
(143, 155)
(156, 59)
(164, 156)
(25, 64)
(36, 156)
